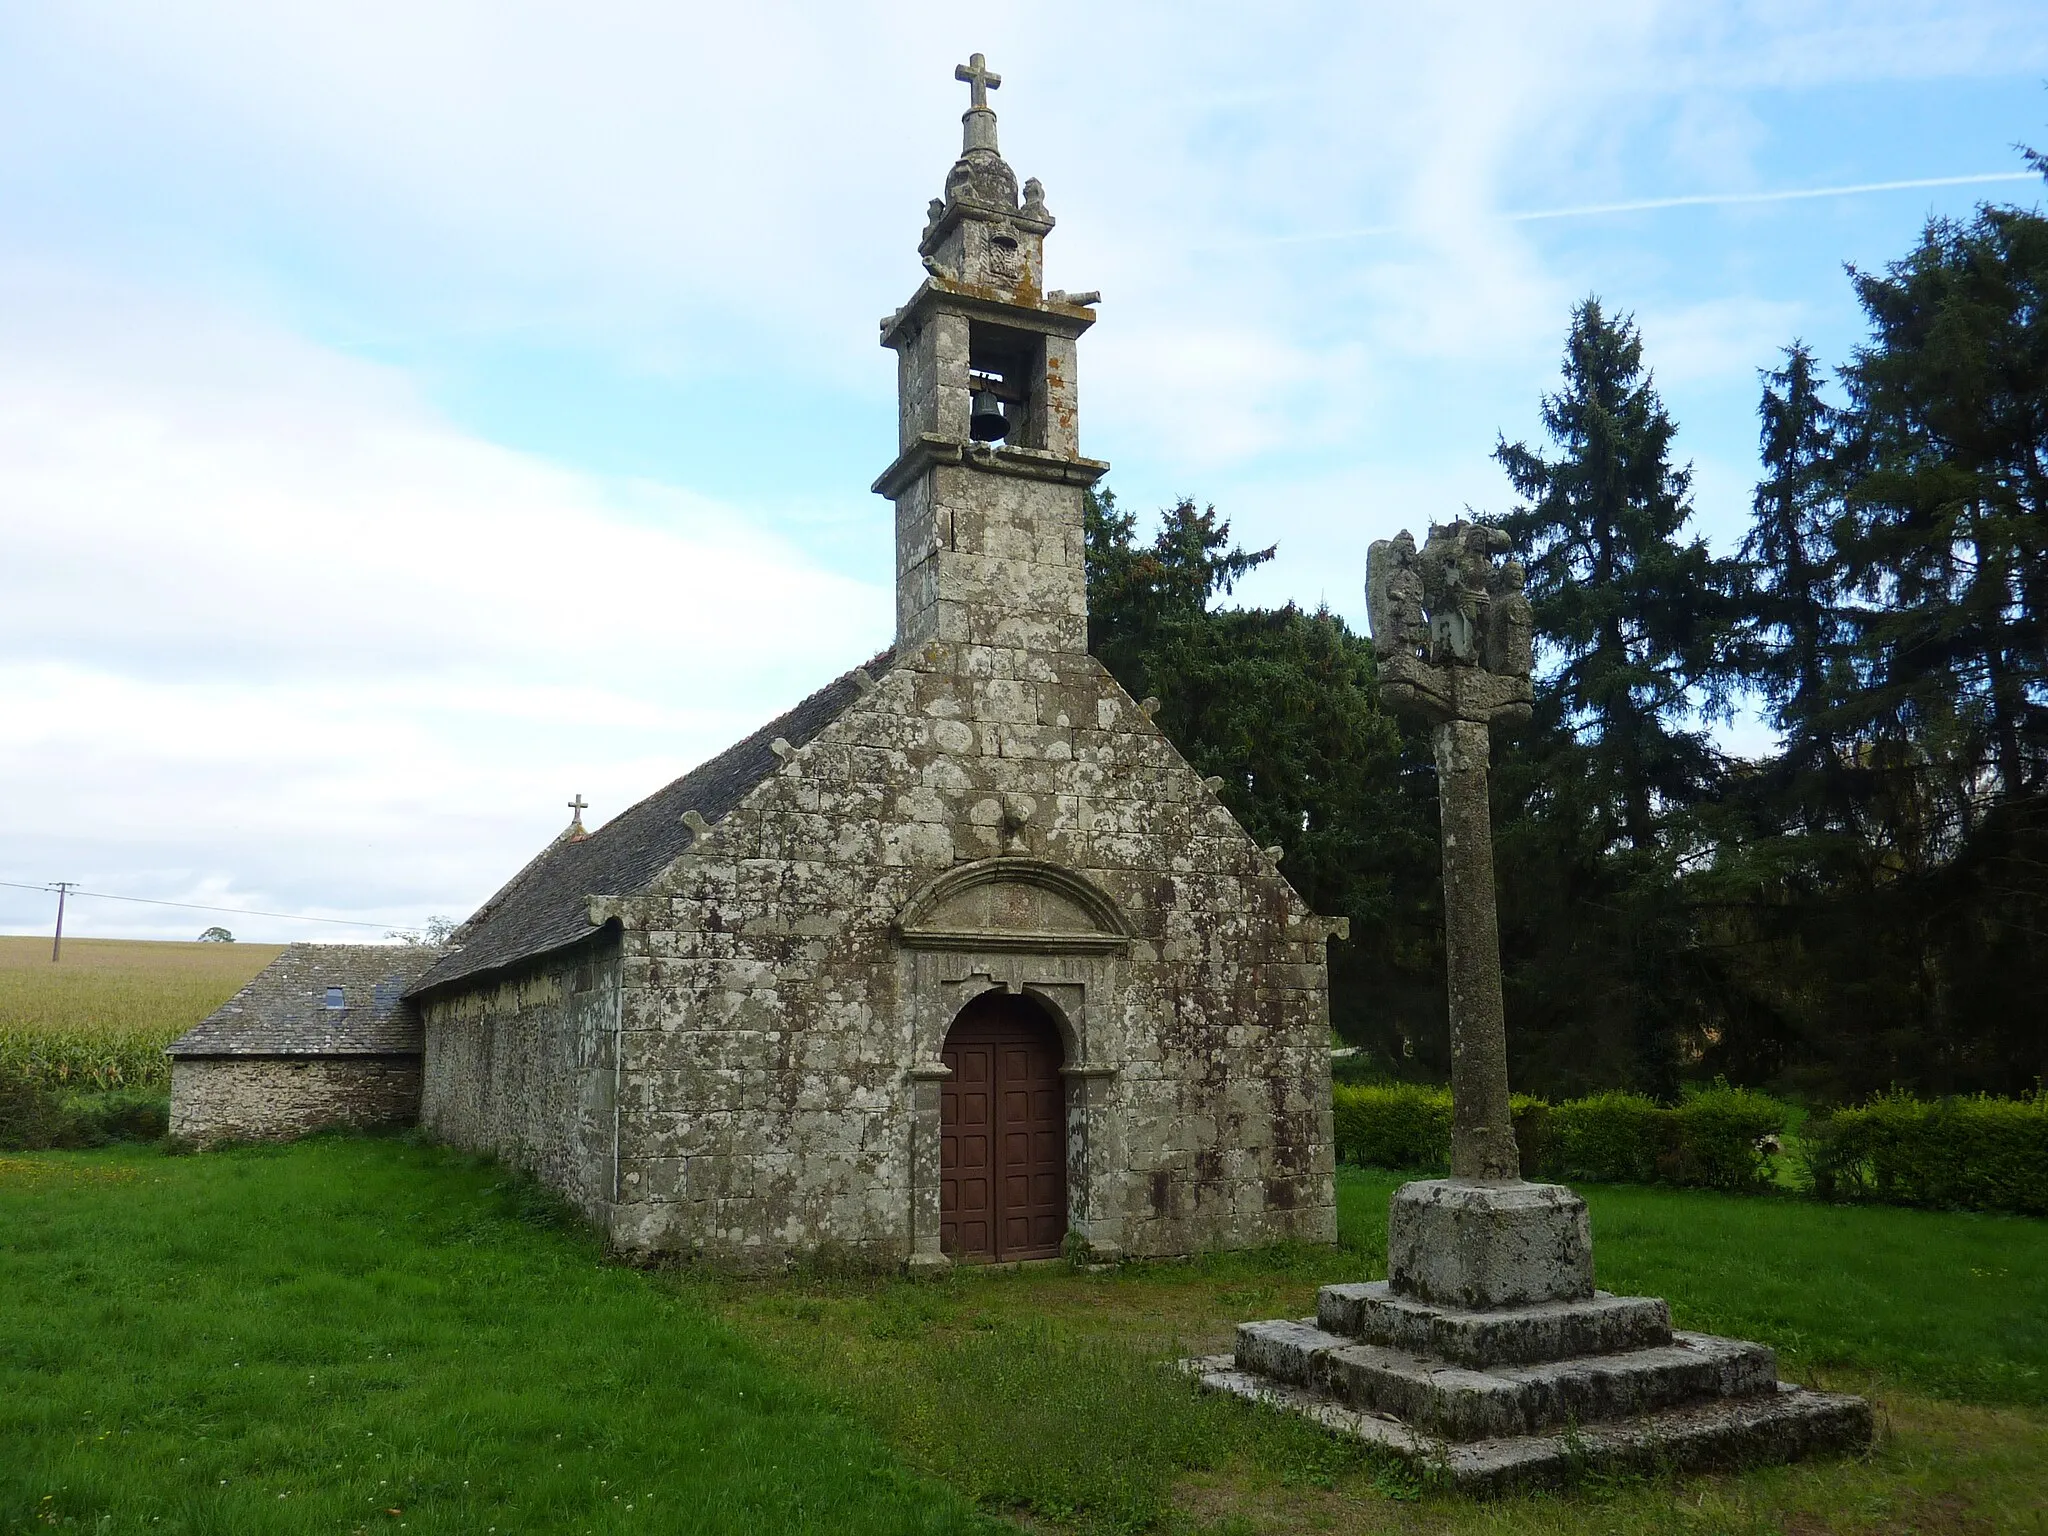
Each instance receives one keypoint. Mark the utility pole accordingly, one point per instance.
(63, 888)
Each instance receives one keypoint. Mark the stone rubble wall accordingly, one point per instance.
(523, 1068)
(271, 1098)
(769, 1028)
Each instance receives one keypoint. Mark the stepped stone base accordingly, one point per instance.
(1458, 1402)
(1787, 1423)
(1536, 1390)
(1602, 1324)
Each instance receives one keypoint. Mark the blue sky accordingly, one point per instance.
(411, 416)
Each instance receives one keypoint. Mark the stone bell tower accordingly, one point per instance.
(988, 479)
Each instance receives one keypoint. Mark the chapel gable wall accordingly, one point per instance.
(774, 1027)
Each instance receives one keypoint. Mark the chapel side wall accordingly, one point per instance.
(522, 1067)
(768, 1105)
(275, 1098)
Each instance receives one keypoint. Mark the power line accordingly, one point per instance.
(193, 906)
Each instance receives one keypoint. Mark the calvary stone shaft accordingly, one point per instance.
(1482, 1127)
(1452, 632)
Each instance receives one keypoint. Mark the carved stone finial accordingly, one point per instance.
(1452, 630)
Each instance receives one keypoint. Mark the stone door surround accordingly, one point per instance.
(1017, 925)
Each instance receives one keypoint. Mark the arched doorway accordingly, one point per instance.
(1002, 1134)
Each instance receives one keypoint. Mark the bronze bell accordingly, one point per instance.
(985, 423)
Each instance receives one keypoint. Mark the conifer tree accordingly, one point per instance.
(1634, 618)
(1947, 475)
(1797, 653)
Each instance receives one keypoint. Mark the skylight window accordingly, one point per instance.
(335, 999)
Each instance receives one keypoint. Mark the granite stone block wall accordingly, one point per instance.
(274, 1098)
(523, 1067)
(778, 1032)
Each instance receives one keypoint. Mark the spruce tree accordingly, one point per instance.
(1635, 619)
(1947, 474)
(1797, 654)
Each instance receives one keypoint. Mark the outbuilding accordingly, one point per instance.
(322, 1036)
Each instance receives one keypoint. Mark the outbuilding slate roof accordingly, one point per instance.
(283, 1011)
(546, 906)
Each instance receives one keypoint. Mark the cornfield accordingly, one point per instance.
(101, 1018)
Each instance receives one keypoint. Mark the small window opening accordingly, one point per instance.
(335, 998)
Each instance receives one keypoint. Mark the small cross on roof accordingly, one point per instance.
(979, 78)
(578, 806)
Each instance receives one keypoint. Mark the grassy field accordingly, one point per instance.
(311, 1337)
(102, 1015)
(1942, 1318)
(354, 1335)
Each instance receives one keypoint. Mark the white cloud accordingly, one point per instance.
(273, 622)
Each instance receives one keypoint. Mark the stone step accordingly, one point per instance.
(1371, 1312)
(1786, 1423)
(1460, 1403)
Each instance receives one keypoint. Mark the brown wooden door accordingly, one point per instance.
(1002, 1134)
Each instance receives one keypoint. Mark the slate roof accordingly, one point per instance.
(283, 1011)
(546, 905)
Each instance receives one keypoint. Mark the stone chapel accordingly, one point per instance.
(956, 961)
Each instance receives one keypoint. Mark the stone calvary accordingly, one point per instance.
(1487, 1354)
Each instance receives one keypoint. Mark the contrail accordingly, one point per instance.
(1650, 204)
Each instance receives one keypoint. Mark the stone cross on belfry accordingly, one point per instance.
(980, 80)
(1454, 637)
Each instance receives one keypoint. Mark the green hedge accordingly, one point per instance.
(1710, 1140)
(1976, 1153)
(33, 1118)
(1393, 1125)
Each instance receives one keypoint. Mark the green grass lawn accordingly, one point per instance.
(1040, 1388)
(310, 1338)
(349, 1335)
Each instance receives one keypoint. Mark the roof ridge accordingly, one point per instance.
(545, 906)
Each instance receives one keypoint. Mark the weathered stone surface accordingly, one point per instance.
(1461, 1403)
(762, 1077)
(1788, 1424)
(1452, 634)
(259, 1098)
(1465, 1403)
(1480, 1245)
(1555, 1330)
(525, 1069)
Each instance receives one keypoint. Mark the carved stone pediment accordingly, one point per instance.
(1013, 903)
